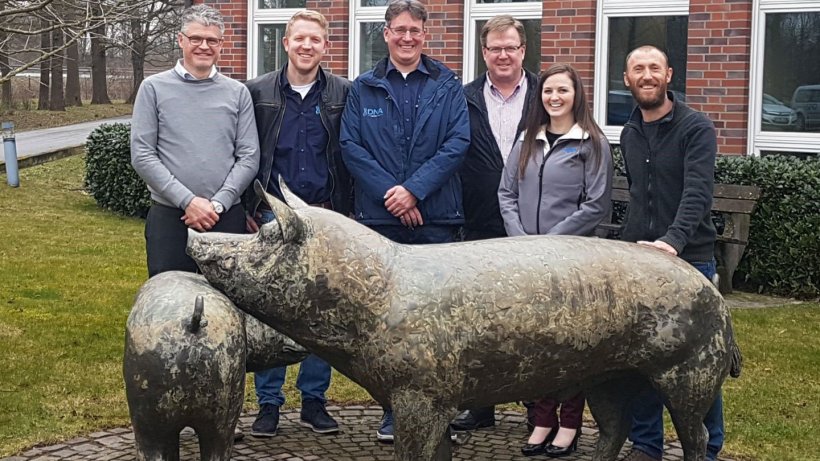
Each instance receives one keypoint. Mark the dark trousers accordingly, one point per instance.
(166, 237)
(572, 409)
(420, 235)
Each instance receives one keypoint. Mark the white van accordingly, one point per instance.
(806, 102)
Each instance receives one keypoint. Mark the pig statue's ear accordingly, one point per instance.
(290, 223)
(290, 198)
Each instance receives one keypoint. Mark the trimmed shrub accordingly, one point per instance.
(109, 177)
(783, 255)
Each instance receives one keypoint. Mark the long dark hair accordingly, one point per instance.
(538, 116)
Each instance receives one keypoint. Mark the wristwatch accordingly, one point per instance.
(217, 207)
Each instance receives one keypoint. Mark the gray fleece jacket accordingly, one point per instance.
(565, 189)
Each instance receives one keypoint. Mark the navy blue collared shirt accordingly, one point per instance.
(300, 156)
(407, 91)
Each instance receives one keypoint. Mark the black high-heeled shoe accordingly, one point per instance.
(535, 449)
(556, 452)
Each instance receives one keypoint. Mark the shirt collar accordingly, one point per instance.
(518, 87)
(284, 83)
(183, 72)
(421, 67)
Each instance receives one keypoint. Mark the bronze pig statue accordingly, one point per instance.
(430, 329)
(187, 349)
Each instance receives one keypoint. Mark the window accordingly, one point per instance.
(366, 44)
(478, 12)
(622, 26)
(266, 28)
(784, 89)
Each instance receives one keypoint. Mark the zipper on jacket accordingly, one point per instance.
(328, 148)
(276, 141)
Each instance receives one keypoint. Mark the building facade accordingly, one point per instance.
(752, 65)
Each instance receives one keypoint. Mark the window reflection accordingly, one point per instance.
(282, 4)
(373, 47)
(271, 52)
(669, 33)
(791, 72)
(532, 55)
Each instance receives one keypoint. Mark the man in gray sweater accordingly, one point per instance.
(194, 142)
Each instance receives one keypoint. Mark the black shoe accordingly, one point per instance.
(267, 421)
(315, 416)
(535, 449)
(476, 418)
(556, 452)
(238, 435)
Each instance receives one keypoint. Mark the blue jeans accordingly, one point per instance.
(314, 373)
(647, 412)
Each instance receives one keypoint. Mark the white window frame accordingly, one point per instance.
(757, 139)
(260, 17)
(607, 9)
(474, 12)
(358, 15)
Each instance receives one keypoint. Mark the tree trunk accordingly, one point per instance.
(138, 47)
(72, 82)
(56, 96)
(5, 88)
(45, 68)
(99, 68)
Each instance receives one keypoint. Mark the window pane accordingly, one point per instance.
(532, 55)
(282, 4)
(791, 72)
(669, 33)
(506, 1)
(374, 2)
(372, 43)
(271, 52)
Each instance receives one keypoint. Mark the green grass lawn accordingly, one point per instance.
(33, 119)
(69, 272)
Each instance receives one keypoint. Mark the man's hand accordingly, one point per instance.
(250, 222)
(200, 215)
(412, 218)
(663, 246)
(399, 201)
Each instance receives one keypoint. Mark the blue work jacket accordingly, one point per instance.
(375, 152)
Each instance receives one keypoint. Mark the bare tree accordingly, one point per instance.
(56, 99)
(45, 69)
(72, 80)
(151, 33)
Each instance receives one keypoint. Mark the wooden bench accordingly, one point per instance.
(731, 210)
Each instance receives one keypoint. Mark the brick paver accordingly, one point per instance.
(355, 442)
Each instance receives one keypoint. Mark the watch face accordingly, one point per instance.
(218, 207)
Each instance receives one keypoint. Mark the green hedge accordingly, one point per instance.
(109, 177)
(783, 255)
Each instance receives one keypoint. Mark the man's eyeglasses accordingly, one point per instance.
(496, 50)
(402, 31)
(196, 41)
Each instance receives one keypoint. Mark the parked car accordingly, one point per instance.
(806, 103)
(776, 115)
(620, 103)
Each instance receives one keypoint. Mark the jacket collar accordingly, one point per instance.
(432, 66)
(576, 133)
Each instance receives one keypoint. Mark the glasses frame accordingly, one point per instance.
(496, 50)
(406, 31)
(197, 41)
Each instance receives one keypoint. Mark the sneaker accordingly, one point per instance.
(385, 432)
(315, 416)
(267, 421)
(638, 455)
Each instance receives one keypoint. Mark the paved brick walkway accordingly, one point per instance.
(355, 442)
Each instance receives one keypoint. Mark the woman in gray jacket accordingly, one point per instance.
(557, 181)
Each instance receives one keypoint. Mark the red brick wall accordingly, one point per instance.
(336, 12)
(445, 33)
(568, 36)
(233, 60)
(717, 77)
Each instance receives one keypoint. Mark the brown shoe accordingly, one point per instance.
(638, 455)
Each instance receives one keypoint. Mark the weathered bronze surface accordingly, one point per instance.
(431, 329)
(186, 348)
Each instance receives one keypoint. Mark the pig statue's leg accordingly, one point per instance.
(160, 443)
(421, 426)
(216, 443)
(609, 404)
(690, 391)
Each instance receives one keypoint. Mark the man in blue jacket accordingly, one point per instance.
(405, 131)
